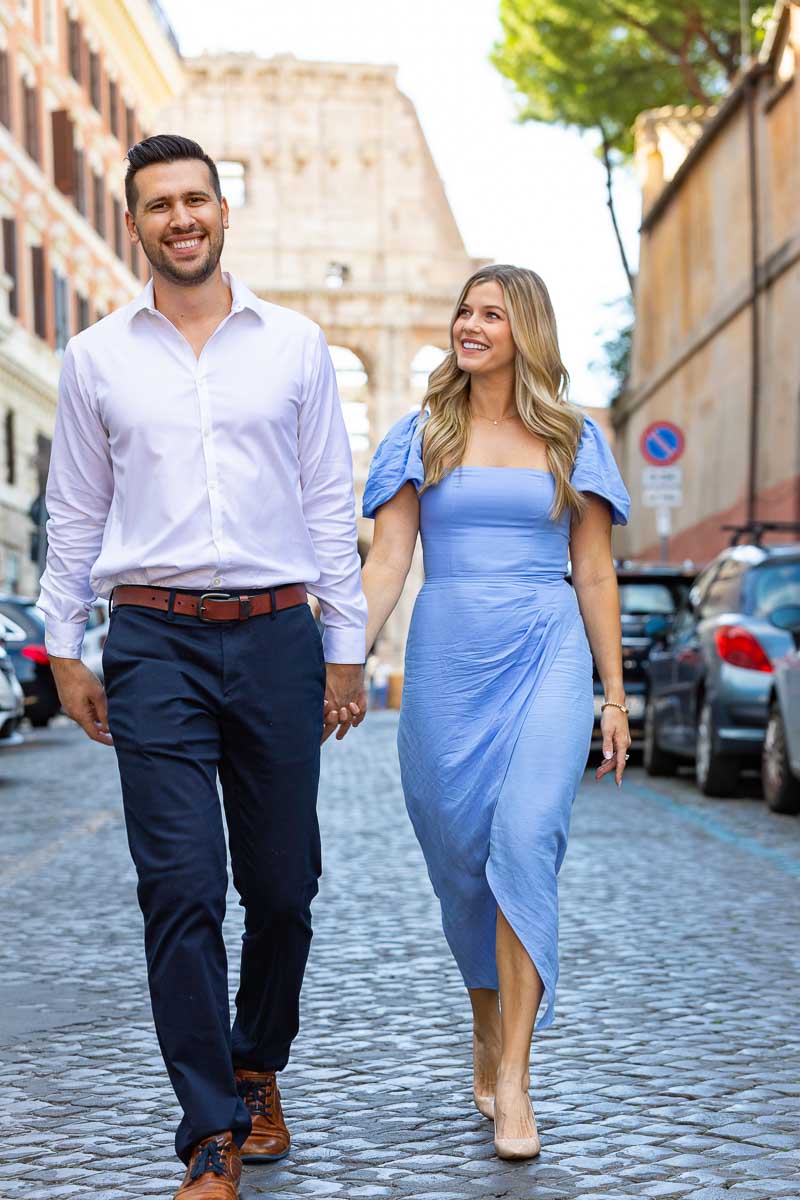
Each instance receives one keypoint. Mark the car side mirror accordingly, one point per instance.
(657, 627)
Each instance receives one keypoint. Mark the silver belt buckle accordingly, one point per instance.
(210, 596)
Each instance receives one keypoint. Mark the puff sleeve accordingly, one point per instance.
(397, 460)
(596, 471)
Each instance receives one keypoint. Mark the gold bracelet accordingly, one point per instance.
(613, 704)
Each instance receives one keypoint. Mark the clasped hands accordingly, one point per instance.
(345, 704)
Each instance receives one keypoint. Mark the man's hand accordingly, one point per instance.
(345, 699)
(82, 697)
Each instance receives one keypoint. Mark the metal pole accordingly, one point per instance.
(755, 342)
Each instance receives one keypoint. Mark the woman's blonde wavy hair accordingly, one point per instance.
(540, 389)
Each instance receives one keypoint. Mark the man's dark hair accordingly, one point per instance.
(164, 148)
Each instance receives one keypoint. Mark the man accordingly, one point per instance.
(201, 475)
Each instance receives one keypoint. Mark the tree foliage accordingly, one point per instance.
(596, 64)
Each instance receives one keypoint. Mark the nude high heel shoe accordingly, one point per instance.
(484, 1105)
(518, 1148)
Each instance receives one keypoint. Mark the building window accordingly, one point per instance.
(10, 262)
(61, 310)
(80, 182)
(63, 152)
(75, 49)
(95, 81)
(119, 228)
(39, 279)
(5, 90)
(11, 447)
(336, 275)
(81, 312)
(232, 182)
(30, 109)
(99, 204)
(130, 126)
(113, 107)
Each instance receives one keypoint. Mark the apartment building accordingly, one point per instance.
(79, 83)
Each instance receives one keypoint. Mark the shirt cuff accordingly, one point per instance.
(344, 645)
(64, 639)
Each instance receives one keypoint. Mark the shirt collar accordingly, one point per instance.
(241, 298)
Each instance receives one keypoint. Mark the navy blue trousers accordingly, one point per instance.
(188, 701)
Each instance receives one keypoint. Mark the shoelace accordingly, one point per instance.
(258, 1095)
(210, 1157)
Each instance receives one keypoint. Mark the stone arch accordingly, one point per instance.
(426, 359)
(352, 379)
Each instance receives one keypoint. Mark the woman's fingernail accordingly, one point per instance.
(608, 754)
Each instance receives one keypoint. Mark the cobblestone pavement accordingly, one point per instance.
(671, 1071)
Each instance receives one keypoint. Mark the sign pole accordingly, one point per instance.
(662, 444)
(663, 529)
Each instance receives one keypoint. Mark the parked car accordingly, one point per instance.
(12, 702)
(645, 590)
(95, 637)
(780, 759)
(711, 673)
(22, 629)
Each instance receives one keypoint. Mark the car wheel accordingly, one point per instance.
(656, 761)
(716, 774)
(781, 788)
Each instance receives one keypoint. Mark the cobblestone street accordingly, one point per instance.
(672, 1070)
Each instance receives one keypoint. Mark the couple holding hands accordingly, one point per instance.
(201, 476)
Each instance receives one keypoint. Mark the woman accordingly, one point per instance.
(504, 479)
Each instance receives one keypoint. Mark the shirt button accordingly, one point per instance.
(216, 581)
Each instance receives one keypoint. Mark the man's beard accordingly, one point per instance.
(158, 258)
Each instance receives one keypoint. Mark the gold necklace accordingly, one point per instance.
(510, 417)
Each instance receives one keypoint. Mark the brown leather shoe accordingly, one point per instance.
(269, 1138)
(214, 1170)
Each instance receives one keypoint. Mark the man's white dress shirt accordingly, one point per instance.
(224, 472)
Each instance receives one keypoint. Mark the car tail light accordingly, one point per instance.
(738, 647)
(37, 654)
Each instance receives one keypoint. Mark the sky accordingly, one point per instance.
(531, 194)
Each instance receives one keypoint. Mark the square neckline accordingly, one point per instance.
(491, 467)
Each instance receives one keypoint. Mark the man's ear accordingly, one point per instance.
(130, 225)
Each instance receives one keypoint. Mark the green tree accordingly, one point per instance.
(617, 345)
(596, 64)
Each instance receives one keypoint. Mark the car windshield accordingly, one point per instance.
(647, 596)
(775, 585)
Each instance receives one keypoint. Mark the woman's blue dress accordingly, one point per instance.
(497, 708)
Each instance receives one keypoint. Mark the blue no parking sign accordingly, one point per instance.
(662, 443)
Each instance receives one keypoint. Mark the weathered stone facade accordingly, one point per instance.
(713, 353)
(344, 217)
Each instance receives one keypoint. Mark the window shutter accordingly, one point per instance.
(80, 183)
(63, 152)
(30, 107)
(5, 90)
(39, 291)
(10, 262)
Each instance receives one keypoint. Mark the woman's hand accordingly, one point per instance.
(616, 741)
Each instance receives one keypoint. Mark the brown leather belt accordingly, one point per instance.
(212, 606)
